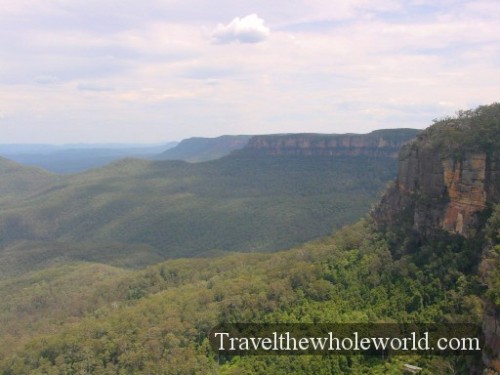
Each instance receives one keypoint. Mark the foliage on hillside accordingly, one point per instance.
(471, 130)
(182, 209)
(28, 256)
(156, 321)
(18, 181)
(200, 149)
(490, 265)
(40, 302)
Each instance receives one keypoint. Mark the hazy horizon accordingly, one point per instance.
(168, 142)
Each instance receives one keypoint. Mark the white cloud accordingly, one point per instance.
(249, 29)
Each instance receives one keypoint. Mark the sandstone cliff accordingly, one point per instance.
(448, 175)
(437, 190)
(380, 143)
(449, 180)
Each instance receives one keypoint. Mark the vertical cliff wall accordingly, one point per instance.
(436, 190)
(449, 180)
(448, 176)
(379, 143)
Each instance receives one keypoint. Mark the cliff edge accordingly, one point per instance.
(379, 143)
(449, 182)
(448, 175)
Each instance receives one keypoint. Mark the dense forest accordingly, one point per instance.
(401, 263)
(134, 212)
(97, 319)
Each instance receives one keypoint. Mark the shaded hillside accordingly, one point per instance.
(182, 209)
(199, 149)
(18, 181)
(379, 143)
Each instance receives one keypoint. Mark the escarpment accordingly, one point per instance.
(434, 190)
(380, 143)
(449, 181)
(447, 177)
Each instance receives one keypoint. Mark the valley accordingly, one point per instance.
(424, 252)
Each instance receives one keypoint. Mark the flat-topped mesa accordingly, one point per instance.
(447, 176)
(380, 143)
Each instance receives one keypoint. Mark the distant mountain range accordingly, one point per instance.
(379, 143)
(249, 200)
(74, 158)
(64, 159)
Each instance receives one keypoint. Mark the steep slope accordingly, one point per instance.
(199, 149)
(448, 176)
(448, 189)
(18, 181)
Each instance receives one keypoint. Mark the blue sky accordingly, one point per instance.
(162, 70)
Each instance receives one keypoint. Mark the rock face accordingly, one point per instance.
(449, 179)
(434, 189)
(380, 143)
(470, 184)
(443, 193)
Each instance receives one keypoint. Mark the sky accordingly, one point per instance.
(150, 71)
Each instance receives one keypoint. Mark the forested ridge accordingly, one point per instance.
(157, 320)
(183, 209)
(177, 209)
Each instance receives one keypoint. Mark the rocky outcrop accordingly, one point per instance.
(449, 180)
(436, 190)
(380, 143)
